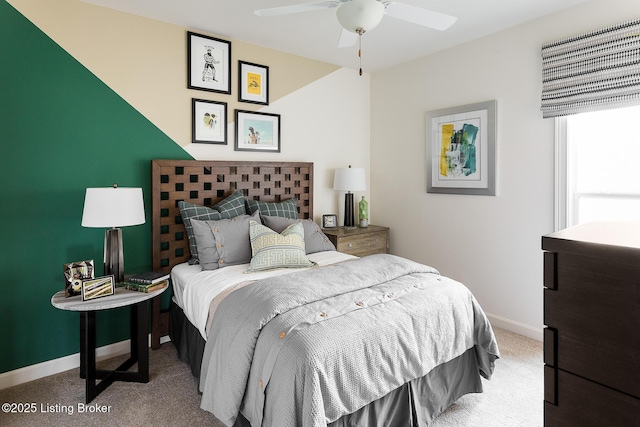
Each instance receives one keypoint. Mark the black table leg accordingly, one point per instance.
(139, 330)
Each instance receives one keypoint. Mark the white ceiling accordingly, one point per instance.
(315, 34)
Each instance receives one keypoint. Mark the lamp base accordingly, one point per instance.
(113, 255)
(349, 218)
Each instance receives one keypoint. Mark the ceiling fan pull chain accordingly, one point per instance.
(360, 32)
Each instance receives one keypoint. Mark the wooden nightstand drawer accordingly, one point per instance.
(360, 241)
(360, 245)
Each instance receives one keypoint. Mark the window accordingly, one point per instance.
(598, 167)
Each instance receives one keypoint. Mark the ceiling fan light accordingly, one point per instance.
(360, 14)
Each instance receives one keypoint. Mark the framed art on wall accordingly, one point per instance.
(256, 131)
(209, 122)
(461, 149)
(208, 63)
(253, 83)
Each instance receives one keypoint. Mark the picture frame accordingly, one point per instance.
(208, 121)
(253, 83)
(257, 131)
(74, 274)
(98, 287)
(330, 221)
(461, 145)
(208, 63)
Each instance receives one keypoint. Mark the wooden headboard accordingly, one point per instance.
(204, 182)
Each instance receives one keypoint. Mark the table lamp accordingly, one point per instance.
(113, 207)
(349, 179)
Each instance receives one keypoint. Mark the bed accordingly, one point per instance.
(337, 341)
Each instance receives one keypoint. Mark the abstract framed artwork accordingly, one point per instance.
(253, 83)
(256, 131)
(208, 63)
(98, 287)
(461, 145)
(209, 122)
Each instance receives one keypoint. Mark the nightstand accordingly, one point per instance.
(139, 328)
(373, 239)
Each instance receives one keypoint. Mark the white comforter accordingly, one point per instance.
(200, 287)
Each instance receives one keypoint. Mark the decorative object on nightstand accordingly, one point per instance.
(360, 241)
(363, 208)
(330, 221)
(113, 207)
(349, 179)
(74, 274)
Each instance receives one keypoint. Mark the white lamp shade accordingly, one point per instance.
(360, 14)
(113, 207)
(350, 179)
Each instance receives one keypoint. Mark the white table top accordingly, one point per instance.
(121, 298)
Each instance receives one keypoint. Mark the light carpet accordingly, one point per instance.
(513, 397)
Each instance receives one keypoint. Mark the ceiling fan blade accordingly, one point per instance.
(347, 38)
(420, 16)
(296, 8)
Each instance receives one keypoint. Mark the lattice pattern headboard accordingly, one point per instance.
(206, 183)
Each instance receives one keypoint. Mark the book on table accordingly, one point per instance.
(148, 287)
(149, 278)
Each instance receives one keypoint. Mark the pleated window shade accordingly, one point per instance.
(593, 71)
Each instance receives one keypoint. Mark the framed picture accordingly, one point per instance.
(209, 122)
(253, 83)
(461, 149)
(74, 274)
(330, 221)
(209, 63)
(98, 287)
(256, 131)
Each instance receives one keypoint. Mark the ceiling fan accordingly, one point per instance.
(360, 16)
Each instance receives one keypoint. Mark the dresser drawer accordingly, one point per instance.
(595, 311)
(363, 244)
(584, 403)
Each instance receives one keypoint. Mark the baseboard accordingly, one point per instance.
(516, 327)
(55, 366)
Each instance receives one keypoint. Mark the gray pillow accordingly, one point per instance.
(286, 209)
(230, 207)
(223, 242)
(314, 239)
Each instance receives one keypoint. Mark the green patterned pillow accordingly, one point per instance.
(227, 208)
(272, 250)
(286, 209)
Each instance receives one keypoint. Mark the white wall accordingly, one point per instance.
(492, 244)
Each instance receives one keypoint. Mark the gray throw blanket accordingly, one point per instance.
(306, 348)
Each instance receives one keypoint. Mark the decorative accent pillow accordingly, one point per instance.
(272, 250)
(286, 209)
(314, 239)
(223, 242)
(230, 207)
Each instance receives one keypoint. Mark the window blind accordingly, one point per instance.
(592, 71)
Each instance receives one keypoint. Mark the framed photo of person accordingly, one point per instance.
(257, 131)
(208, 63)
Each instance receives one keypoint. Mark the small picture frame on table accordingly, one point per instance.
(209, 122)
(253, 83)
(208, 63)
(74, 274)
(98, 287)
(330, 221)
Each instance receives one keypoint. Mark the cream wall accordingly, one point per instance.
(492, 244)
(324, 109)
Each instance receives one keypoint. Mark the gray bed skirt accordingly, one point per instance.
(414, 404)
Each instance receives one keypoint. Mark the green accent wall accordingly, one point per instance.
(61, 130)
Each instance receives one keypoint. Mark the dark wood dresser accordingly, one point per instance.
(592, 318)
